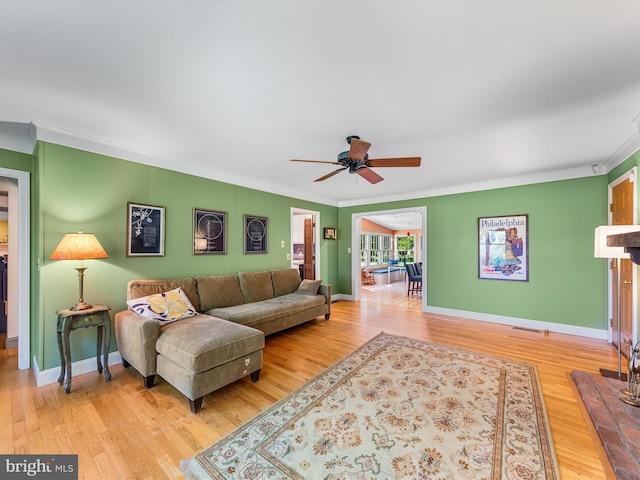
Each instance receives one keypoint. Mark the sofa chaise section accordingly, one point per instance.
(196, 355)
(223, 341)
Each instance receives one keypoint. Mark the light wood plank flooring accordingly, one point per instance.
(120, 430)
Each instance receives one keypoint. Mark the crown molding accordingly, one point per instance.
(628, 148)
(552, 176)
(22, 137)
(68, 138)
(18, 137)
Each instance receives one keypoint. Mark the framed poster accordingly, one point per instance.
(145, 230)
(255, 234)
(503, 250)
(330, 234)
(209, 232)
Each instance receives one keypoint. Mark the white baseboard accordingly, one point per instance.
(523, 323)
(11, 343)
(88, 365)
(512, 321)
(341, 296)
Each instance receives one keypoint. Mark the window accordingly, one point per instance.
(406, 249)
(375, 249)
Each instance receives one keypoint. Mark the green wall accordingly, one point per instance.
(16, 160)
(567, 284)
(79, 190)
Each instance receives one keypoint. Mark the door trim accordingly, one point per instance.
(632, 176)
(23, 264)
(316, 218)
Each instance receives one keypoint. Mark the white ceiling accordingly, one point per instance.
(486, 92)
(397, 220)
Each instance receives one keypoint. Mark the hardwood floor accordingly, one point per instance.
(120, 430)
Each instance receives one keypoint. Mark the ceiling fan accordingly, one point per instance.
(357, 160)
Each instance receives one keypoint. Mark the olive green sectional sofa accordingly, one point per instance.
(220, 328)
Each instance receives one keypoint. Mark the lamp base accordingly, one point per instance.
(630, 400)
(613, 374)
(82, 305)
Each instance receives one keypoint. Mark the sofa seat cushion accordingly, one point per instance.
(255, 313)
(203, 342)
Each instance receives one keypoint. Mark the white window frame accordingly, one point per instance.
(372, 257)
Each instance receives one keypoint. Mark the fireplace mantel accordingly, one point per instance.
(630, 242)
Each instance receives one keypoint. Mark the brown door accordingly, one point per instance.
(309, 249)
(622, 214)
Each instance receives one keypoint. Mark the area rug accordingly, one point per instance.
(396, 408)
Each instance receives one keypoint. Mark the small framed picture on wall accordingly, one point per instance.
(330, 234)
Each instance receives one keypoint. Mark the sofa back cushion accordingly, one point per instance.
(218, 291)
(256, 286)
(144, 288)
(285, 281)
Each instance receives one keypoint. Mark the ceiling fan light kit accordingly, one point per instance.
(356, 160)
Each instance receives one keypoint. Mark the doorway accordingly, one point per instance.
(16, 183)
(356, 248)
(305, 253)
(622, 198)
(4, 241)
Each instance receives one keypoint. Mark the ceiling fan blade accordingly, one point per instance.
(369, 175)
(358, 149)
(394, 162)
(329, 175)
(316, 161)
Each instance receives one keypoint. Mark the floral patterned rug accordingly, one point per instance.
(396, 408)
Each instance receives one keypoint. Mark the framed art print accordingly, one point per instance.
(209, 232)
(255, 234)
(503, 250)
(330, 234)
(145, 230)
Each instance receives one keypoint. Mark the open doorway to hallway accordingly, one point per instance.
(4, 240)
(16, 184)
(305, 253)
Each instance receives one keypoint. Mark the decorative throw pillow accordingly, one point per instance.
(166, 307)
(309, 287)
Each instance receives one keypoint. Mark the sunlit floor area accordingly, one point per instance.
(391, 294)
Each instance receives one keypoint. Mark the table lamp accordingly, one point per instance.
(79, 246)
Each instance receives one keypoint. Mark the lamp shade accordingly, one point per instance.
(601, 250)
(78, 246)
